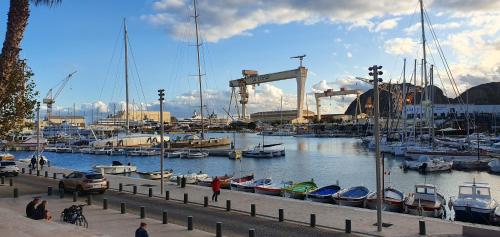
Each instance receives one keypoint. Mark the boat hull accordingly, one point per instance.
(474, 215)
(268, 191)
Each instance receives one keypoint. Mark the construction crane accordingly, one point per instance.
(50, 98)
(330, 93)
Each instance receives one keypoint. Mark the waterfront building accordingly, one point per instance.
(287, 116)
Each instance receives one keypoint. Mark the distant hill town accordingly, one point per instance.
(484, 94)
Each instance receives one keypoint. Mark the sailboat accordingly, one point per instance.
(127, 139)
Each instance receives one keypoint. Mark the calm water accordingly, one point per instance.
(326, 160)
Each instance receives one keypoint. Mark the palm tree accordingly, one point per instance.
(16, 24)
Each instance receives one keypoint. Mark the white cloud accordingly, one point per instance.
(166, 4)
(400, 46)
(387, 24)
(349, 54)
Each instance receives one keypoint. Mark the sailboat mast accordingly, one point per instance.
(415, 101)
(125, 37)
(424, 53)
(199, 68)
(404, 101)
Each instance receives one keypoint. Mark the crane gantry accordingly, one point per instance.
(50, 98)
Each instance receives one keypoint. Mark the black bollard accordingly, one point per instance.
(150, 192)
(205, 201)
(30, 171)
(313, 220)
(183, 182)
(38, 173)
(16, 193)
(178, 181)
(49, 191)
(135, 189)
(251, 232)
(75, 196)
(185, 198)
(107, 184)
(54, 175)
(281, 215)
(3, 179)
(23, 170)
(61, 193)
(165, 217)
(105, 203)
(89, 199)
(348, 226)
(143, 212)
(11, 182)
(46, 174)
(120, 187)
(190, 222)
(122, 208)
(421, 228)
(252, 210)
(167, 195)
(228, 205)
(218, 229)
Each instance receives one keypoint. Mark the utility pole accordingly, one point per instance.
(374, 71)
(37, 135)
(161, 93)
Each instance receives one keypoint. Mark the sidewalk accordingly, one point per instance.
(101, 222)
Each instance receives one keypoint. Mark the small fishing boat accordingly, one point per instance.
(155, 174)
(425, 201)
(208, 180)
(227, 183)
(191, 178)
(354, 197)
(115, 168)
(494, 166)
(393, 200)
(474, 203)
(300, 190)
(249, 186)
(324, 194)
(268, 190)
(427, 164)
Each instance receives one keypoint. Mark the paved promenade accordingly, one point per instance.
(101, 222)
(327, 215)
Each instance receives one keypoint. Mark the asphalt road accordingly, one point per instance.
(204, 218)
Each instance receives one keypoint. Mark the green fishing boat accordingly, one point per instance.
(300, 190)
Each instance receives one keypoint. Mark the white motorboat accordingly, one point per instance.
(428, 164)
(425, 201)
(474, 203)
(195, 154)
(101, 151)
(86, 150)
(155, 174)
(115, 168)
(175, 154)
(265, 151)
(191, 178)
(494, 166)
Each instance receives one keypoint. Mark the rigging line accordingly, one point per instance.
(116, 77)
(443, 58)
(135, 67)
(111, 60)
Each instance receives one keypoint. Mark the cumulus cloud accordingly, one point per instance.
(400, 46)
(387, 24)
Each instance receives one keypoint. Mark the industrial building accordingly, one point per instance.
(286, 116)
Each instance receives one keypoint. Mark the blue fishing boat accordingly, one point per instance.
(324, 194)
(354, 197)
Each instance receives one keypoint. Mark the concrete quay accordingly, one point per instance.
(295, 211)
(101, 222)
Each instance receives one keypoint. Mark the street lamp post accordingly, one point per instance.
(37, 135)
(374, 71)
(161, 93)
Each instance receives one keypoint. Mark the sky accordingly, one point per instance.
(341, 39)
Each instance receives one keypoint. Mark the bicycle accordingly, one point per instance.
(74, 215)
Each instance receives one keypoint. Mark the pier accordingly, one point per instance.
(296, 214)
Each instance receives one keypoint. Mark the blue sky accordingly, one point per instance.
(341, 40)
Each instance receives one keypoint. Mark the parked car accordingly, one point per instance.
(9, 168)
(90, 182)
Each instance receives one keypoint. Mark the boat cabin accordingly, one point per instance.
(425, 192)
(474, 190)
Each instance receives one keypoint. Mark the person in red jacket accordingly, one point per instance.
(215, 188)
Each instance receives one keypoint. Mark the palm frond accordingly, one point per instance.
(49, 3)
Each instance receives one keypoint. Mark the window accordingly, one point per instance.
(431, 190)
(483, 191)
(8, 163)
(420, 190)
(94, 176)
(465, 190)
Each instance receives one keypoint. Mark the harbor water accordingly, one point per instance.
(326, 160)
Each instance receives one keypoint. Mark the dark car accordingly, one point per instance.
(84, 182)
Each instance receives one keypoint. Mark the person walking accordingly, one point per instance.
(33, 163)
(141, 231)
(30, 208)
(215, 188)
(42, 162)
